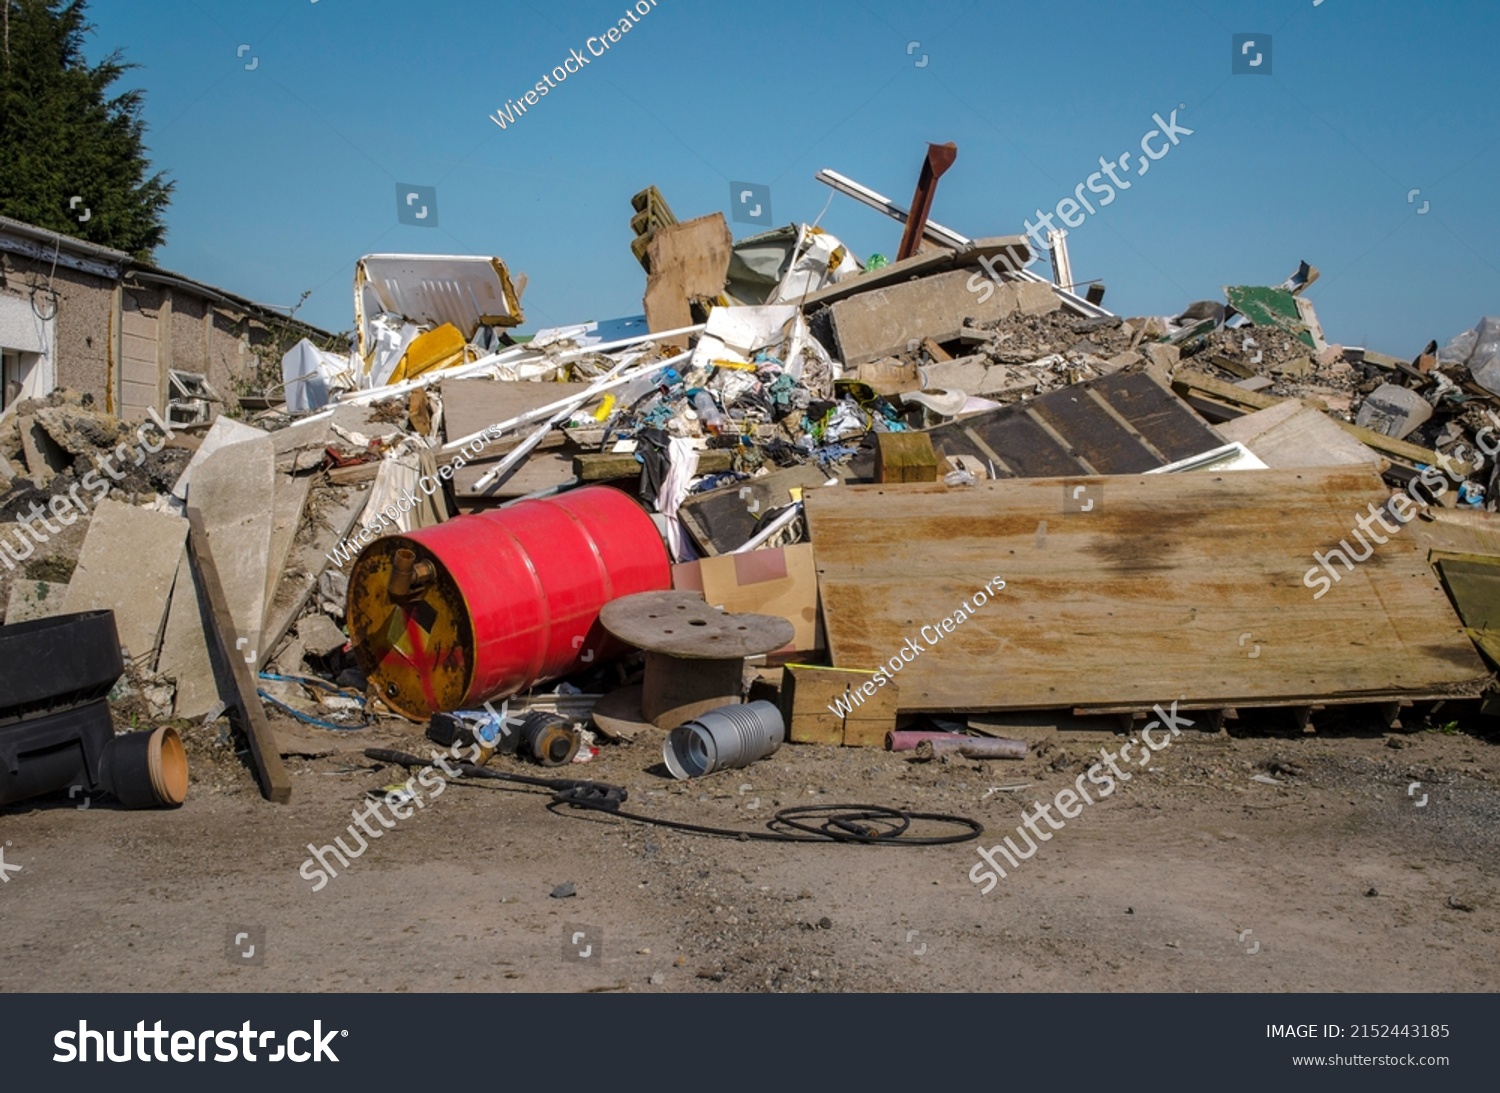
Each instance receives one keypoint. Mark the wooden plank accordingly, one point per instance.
(275, 784)
(605, 466)
(1147, 597)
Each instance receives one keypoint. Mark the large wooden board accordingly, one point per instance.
(1171, 586)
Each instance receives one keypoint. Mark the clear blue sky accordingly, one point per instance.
(287, 172)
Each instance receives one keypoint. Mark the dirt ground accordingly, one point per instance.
(1194, 877)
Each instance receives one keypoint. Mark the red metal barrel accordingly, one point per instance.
(491, 604)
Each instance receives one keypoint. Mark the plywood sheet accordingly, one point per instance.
(1163, 589)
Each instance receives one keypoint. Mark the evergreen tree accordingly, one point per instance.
(61, 135)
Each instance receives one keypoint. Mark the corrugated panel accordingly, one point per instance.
(1121, 424)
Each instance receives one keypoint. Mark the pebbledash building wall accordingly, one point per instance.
(77, 315)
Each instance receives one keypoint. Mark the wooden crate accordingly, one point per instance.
(808, 693)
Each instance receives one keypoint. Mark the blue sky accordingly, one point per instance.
(287, 170)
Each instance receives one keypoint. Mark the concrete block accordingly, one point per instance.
(78, 431)
(222, 433)
(128, 562)
(1162, 355)
(884, 321)
(34, 600)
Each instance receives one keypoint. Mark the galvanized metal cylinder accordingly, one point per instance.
(723, 739)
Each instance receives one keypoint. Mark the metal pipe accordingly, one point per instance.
(971, 747)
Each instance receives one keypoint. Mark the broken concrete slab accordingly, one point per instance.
(44, 458)
(884, 322)
(1292, 434)
(1394, 411)
(185, 655)
(127, 565)
(290, 496)
(234, 489)
(223, 432)
(1036, 298)
(333, 512)
(34, 600)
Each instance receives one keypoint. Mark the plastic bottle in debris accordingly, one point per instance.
(713, 421)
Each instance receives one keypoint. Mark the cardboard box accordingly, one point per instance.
(840, 706)
(780, 582)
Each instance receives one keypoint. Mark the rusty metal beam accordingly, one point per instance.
(939, 158)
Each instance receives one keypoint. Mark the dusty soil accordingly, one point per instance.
(1194, 877)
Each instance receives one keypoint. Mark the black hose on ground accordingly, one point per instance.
(870, 825)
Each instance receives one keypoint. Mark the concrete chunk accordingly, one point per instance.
(43, 457)
(884, 322)
(34, 600)
(319, 636)
(127, 565)
(1394, 411)
(1035, 298)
